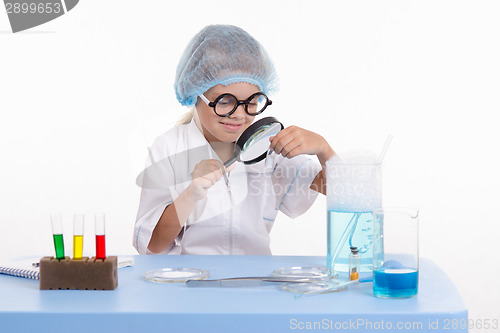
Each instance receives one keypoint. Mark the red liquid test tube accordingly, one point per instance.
(100, 237)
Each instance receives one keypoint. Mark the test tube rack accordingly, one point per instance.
(80, 274)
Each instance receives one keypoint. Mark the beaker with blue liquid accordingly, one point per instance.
(395, 252)
(354, 191)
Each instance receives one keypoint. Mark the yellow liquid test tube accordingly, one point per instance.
(78, 220)
(77, 246)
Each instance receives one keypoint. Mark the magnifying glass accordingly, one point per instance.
(253, 144)
(251, 147)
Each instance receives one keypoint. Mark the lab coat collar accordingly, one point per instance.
(197, 138)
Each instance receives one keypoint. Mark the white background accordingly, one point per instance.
(82, 97)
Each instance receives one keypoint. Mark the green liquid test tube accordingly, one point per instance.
(57, 232)
(59, 246)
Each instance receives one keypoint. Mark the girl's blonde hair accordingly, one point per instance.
(186, 118)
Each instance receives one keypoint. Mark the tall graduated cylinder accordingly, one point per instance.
(354, 191)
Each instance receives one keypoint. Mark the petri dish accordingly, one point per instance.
(315, 287)
(173, 275)
(320, 272)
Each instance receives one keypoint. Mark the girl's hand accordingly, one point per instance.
(205, 175)
(293, 141)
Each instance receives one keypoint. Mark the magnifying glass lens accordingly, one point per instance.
(254, 142)
(258, 143)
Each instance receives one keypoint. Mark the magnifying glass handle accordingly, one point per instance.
(269, 160)
(230, 161)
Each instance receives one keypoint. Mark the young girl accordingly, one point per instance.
(190, 203)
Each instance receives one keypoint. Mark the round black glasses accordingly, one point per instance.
(226, 104)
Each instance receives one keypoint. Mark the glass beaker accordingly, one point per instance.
(395, 252)
(354, 190)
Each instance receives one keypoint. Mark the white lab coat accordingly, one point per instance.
(234, 218)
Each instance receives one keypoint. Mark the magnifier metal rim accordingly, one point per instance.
(251, 131)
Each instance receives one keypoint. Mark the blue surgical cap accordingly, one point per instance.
(222, 54)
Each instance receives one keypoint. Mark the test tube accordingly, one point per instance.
(78, 220)
(57, 234)
(100, 237)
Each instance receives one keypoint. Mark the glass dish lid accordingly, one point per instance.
(172, 275)
(320, 272)
(318, 287)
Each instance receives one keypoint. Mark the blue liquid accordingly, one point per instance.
(361, 236)
(395, 282)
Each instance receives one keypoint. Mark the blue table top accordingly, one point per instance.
(138, 305)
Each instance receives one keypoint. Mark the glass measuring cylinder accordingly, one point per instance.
(354, 190)
(395, 252)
